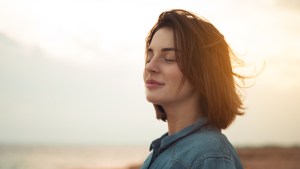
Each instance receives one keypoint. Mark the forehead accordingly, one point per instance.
(163, 38)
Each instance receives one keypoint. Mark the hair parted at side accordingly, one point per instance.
(205, 59)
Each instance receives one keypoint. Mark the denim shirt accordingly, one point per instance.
(195, 147)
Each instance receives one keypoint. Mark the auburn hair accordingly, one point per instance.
(205, 60)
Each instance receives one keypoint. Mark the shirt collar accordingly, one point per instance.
(166, 140)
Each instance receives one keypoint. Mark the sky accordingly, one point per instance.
(71, 71)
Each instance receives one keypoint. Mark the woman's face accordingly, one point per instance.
(162, 75)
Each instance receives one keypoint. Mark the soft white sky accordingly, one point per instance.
(71, 71)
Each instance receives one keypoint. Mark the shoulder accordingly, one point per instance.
(205, 144)
(206, 140)
(147, 161)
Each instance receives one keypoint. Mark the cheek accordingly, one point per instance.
(187, 87)
(176, 77)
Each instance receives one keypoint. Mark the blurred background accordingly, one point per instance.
(71, 76)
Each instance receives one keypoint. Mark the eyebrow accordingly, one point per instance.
(163, 49)
(167, 49)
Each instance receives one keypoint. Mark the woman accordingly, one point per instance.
(189, 79)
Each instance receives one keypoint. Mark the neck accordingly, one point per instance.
(181, 115)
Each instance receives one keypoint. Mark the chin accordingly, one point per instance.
(153, 100)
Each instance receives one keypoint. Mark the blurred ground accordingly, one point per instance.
(270, 158)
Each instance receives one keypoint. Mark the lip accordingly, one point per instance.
(152, 84)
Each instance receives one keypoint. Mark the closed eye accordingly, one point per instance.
(169, 60)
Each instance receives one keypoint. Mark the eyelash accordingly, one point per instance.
(163, 59)
(169, 60)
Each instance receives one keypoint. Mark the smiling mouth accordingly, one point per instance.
(152, 84)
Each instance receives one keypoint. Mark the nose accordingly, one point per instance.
(152, 66)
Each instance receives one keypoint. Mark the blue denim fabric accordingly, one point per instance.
(196, 147)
